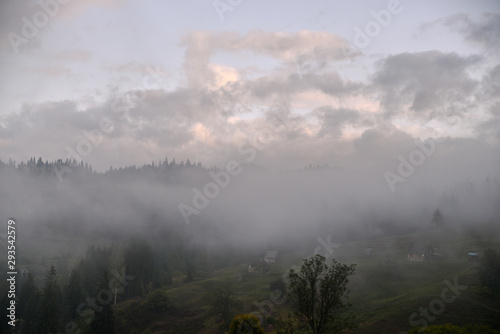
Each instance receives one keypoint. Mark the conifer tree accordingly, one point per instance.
(48, 309)
(73, 295)
(103, 322)
(29, 298)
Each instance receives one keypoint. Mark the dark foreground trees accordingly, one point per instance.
(103, 321)
(489, 270)
(318, 294)
(223, 303)
(28, 305)
(48, 308)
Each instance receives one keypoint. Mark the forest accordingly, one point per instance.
(90, 268)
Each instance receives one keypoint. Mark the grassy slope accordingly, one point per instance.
(385, 291)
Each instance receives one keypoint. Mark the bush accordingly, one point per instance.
(158, 301)
(271, 321)
(245, 324)
(484, 292)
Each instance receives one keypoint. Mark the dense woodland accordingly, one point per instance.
(87, 265)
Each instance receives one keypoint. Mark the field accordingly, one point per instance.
(388, 293)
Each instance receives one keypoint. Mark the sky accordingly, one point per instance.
(349, 84)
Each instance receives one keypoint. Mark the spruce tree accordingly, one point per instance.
(29, 298)
(73, 295)
(103, 322)
(48, 309)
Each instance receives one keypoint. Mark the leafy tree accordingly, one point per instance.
(223, 303)
(48, 309)
(103, 321)
(291, 325)
(317, 293)
(245, 324)
(158, 301)
(489, 270)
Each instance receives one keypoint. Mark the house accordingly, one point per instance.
(256, 267)
(367, 251)
(416, 253)
(472, 257)
(271, 257)
(420, 251)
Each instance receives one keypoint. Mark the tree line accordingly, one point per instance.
(81, 300)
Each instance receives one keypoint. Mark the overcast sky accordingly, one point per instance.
(323, 82)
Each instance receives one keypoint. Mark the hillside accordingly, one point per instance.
(385, 291)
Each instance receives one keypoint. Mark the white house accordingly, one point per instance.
(271, 257)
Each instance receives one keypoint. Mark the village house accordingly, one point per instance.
(271, 257)
(416, 253)
(256, 266)
(473, 257)
(423, 252)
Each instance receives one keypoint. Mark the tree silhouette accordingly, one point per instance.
(73, 295)
(437, 218)
(489, 270)
(48, 309)
(223, 303)
(103, 321)
(317, 292)
(29, 298)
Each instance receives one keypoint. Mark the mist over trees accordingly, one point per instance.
(121, 230)
(255, 206)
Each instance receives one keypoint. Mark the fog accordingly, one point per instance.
(257, 206)
(178, 144)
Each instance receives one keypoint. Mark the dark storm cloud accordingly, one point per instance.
(483, 31)
(329, 82)
(425, 81)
